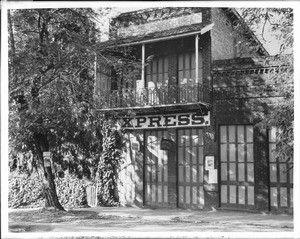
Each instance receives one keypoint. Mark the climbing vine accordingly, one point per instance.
(110, 161)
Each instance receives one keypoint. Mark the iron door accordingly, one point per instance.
(156, 170)
(237, 166)
(190, 169)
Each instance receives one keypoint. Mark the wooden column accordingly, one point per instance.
(196, 58)
(141, 84)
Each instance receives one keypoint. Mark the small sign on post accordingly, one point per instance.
(47, 159)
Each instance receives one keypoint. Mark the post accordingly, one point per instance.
(143, 67)
(196, 58)
(140, 84)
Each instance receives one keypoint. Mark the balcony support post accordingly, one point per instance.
(196, 58)
(142, 82)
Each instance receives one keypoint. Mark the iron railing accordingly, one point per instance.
(154, 96)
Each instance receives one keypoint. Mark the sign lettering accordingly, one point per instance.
(166, 121)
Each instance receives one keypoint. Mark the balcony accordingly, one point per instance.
(154, 96)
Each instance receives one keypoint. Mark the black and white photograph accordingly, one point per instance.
(149, 119)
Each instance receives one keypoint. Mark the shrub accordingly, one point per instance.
(71, 191)
(25, 191)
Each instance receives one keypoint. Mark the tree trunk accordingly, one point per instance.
(45, 173)
(11, 34)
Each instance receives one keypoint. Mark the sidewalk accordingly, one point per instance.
(211, 217)
(142, 222)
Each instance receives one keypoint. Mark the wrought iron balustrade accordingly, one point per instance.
(154, 96)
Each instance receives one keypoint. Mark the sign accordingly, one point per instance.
(166, 144)
(166, 121)
(212, 176)
(47, 162)
(47, 159)
(209, 162)
(211, 173)
(46, 154)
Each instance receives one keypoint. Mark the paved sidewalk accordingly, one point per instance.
(109, 222)
(229, 218)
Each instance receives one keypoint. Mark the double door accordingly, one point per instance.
(188, 171)
(237, 166)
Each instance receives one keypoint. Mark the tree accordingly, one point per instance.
(48, 62)
(53, 103)
(51, 86)
(279, 22)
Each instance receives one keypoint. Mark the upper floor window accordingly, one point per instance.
(157, 72)
(186, 68)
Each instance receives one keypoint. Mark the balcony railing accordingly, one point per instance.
(154, 96)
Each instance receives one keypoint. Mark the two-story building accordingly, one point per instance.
(192, 141)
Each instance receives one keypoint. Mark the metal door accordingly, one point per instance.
(190, 169)
(237, 166)
(156, 170)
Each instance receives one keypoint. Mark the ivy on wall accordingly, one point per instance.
(110, 161)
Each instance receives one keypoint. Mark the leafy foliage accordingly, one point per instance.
(53, 105)
(71, 191)
(279, 23)
(109, 164)
(25, 191)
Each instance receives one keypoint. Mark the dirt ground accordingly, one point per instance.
(138, 220)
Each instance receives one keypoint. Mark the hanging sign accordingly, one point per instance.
(166, 144)
(166, 121)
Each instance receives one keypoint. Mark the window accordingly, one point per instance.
(157, 72)
(186, 68)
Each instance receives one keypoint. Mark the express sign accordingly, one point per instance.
(166, 121)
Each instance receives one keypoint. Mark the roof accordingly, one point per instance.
(164, 35)
(153, 15)
(142, 16)
(236, 16)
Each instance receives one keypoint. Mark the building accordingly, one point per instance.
(192, 141)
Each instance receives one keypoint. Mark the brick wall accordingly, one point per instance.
(239, 98)
(223, 43)
(226, 40)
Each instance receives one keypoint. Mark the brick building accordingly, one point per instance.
(192, 140)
